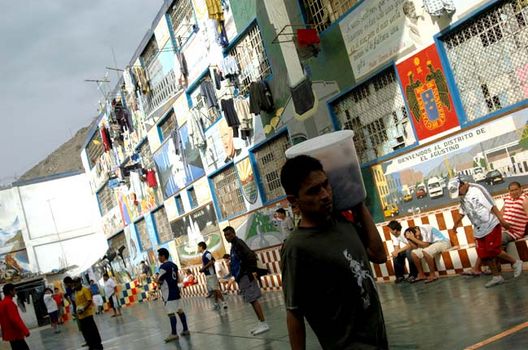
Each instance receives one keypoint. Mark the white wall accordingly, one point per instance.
(63, 223)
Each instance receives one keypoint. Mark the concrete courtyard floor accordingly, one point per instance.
(453, 313)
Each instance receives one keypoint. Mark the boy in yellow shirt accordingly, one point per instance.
(85, 312)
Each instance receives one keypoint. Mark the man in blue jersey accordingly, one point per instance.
(210, 276)
(170, 292)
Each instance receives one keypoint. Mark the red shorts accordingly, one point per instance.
(490, 246)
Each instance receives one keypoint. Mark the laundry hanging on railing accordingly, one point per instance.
(230, 114)
(105, 136)
(229, 66)
(196, 133)
(208, 93)
(260, 98)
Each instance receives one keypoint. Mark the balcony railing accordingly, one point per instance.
(161, 92)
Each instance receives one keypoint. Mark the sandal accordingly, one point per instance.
(411, 279)
(431, 281)
(418, 280)
(471, 273)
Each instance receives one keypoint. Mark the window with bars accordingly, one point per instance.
(192, 197)
(182, 19)
(107, 199)
(251, 57)
(376, 112)
(167, 125)
(95, 148)
(321, 13)
(488, 56)
(144, 239)
(228, 192)
(146, 155)
(179, 205)
(270, 159)
(162, 225)
(150, 52)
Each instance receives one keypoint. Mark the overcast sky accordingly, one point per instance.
(47, 49)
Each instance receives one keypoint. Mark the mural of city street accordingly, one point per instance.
(492, 155)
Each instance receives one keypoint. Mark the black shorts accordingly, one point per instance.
(54, 316)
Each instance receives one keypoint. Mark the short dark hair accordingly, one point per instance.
(514, 183)
(281, 211)
(296, 170)
(163, 252)
(67, 280)
(105, 275)
(8, 288)
(46, 289)
(229, 228)
(142, 262)
(91, 281)
(410, 229)
(203, 245)
(394, 225)
(226, 256)
(77, 280)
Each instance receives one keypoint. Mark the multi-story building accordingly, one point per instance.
(193, 137)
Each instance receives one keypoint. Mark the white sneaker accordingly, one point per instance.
(224, 305)
(171, 337)
(517, 268)
(496, 280)
(261, 328)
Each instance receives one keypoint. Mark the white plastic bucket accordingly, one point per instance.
(338, 155)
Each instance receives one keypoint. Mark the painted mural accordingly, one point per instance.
(427, 94)
(10, 226)
(172, 172)
(248, 183)
(192, 159)
(132, 204)
(13, 266)
(260, 229)
(492, 154)
(197, 226)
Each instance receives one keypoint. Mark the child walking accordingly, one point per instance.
(53, 309)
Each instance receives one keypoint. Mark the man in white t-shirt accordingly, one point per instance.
(286, 222)
(478, 205)
(427, 243)
(110, 293)
(402, 251)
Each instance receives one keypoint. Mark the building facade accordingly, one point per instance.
(193, 137)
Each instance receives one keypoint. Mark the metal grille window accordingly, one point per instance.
(107, 199)
(489, 58)
(162, 225)
(146, 155)
(150, 52)
(376, 112)
(95, 148)
(251, 57)
(192, 197)
(228, 192)
(117, 242)
(320, 13)
(270, 159)
(182, 19)
(144, 239)
(167, 126)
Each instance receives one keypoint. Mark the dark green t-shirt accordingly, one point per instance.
(326, 275)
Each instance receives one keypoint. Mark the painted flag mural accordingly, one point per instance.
(427, 94)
